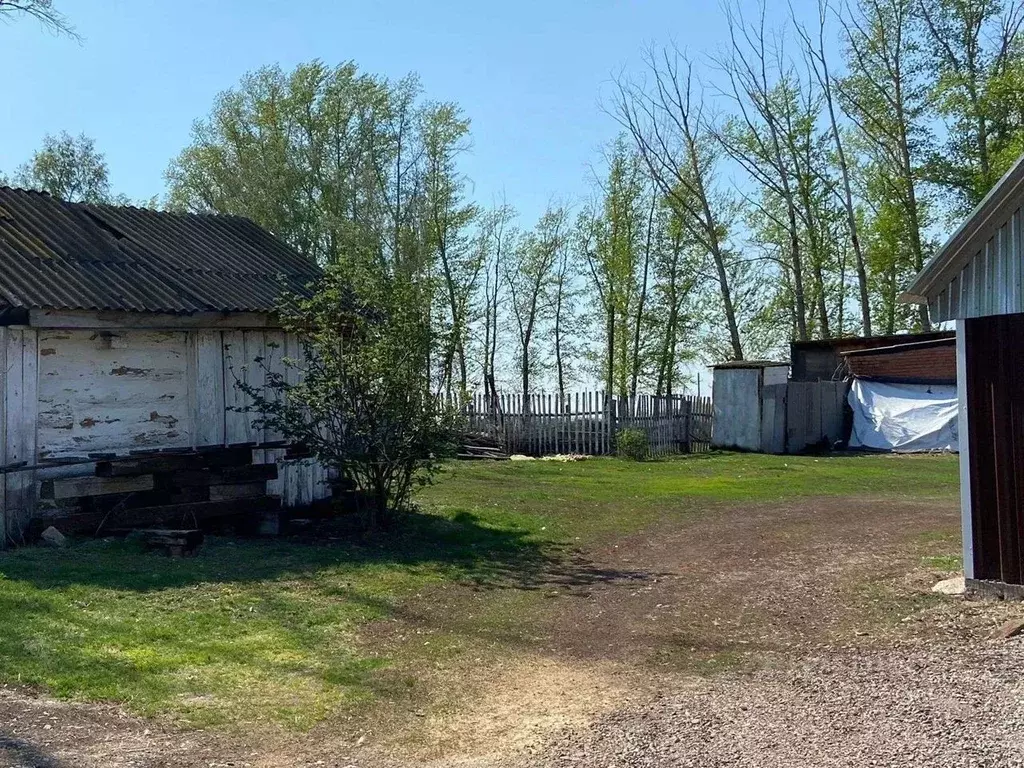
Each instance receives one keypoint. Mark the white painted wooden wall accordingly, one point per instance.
(72, 392)
(225, 357)
(105, 391)
(18, 397)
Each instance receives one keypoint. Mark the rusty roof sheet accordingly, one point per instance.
(58, 255)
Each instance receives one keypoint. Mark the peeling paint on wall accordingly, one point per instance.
(95, 397)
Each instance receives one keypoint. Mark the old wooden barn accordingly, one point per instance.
(977, 280)
(123, 331)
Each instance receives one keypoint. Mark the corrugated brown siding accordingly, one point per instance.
(995, 401)
(928, 363)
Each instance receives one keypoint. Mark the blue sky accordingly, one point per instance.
(529, 74)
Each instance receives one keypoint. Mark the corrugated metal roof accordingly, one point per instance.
(58, 255)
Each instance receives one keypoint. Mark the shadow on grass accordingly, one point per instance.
(104, 620)
(461, 548)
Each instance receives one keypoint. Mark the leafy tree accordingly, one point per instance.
(349, 167)
(459, 257)
(974, 49)
(885, 96)
(672, 129)
(672, 319)
(760, 139)
(529, 271)
(360, 397)
(818, 63)
(69, 168)
(497, 238)
(322, 156)
(563, 295)
(618, 241)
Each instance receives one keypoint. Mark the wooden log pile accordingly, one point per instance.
(477, 447)
(171, 490)
(171, 542)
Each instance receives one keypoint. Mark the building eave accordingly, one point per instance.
(968, 238)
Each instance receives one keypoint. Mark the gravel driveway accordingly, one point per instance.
(899, 708)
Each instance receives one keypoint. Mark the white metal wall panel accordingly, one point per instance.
(991, 283)
(737, 404)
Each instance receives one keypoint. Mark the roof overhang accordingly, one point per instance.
(909, 346)
(968, 238)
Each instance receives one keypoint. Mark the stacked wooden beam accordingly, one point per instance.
(481, 447)
(182, 490)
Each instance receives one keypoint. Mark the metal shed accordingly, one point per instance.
(977, 280)
(737, 389)
(826, 359)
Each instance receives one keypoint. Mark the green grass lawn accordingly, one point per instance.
(267, 631)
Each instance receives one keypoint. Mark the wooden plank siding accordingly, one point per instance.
(111, 390)
(19, 396)
(76, 392)
(995, 402)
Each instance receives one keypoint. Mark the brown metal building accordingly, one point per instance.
(977, 279)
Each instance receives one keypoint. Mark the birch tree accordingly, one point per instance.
(458, 257)
(887, 100)
(669, 123)
(818, 62)
(497, 240)
(761, 89)
(528, 273)
(69, 168)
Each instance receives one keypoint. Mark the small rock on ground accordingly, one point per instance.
(1009, 629)
(53, 538)
(954, 586)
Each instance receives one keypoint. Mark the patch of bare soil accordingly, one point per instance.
(815, 615)
(38, 732)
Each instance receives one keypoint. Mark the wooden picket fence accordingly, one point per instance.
(587, 422)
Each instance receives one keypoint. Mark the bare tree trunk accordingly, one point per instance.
(763, 157)
(641, 305)
(819, 65)
(671, 135)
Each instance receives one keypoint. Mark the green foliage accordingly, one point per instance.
(68, 167)
(640, 265)
(530, 271)
(974, 87)
(360, 398)
(349, 168)
(632, 444)
(318, 155)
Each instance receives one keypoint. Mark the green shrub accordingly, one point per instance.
(633, 444)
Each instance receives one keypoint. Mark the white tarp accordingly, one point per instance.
(903, 417)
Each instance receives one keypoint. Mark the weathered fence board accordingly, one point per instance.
(587, 422)
(801, 415)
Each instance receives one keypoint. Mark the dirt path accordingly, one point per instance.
(814, 617)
